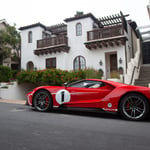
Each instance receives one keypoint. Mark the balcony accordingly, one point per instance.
(104, 37)
(52, 45)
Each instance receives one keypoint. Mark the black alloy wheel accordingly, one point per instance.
(42, 101)
(134, 107)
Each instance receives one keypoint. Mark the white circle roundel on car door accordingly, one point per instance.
(62, 96)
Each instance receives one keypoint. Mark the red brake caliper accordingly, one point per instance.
(128, 106)
(46, 101)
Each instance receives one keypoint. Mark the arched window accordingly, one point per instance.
(30, 65)
(30, 37)
(79, 63)
(78, 29)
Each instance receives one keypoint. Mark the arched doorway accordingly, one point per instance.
(30, 65)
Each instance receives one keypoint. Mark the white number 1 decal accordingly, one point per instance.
(62, 96)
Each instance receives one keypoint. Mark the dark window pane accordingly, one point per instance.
(78, 29)
(30, 37)
(51, 63)
(79, 63)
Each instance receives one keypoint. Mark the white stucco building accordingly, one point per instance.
(108, 44)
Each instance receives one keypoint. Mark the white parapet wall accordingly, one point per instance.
(133, 64)
(114, 79)
(15, 91)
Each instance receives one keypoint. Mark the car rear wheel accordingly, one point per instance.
(42, 101)
(134, 107)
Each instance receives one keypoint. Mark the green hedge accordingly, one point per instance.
(5, 74)
(49, 76)
(55, 76)
(92, 73)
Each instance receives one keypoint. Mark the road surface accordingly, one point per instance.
(23, 128)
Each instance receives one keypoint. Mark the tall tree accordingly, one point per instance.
(9, 39)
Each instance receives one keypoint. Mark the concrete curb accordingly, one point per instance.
(22, 102)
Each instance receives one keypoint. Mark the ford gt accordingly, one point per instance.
(132, 102)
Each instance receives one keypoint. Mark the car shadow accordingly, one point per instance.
(96, 113)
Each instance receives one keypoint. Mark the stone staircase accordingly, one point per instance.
(144, 76)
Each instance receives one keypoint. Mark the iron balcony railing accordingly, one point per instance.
(52, 41)
(106, 32)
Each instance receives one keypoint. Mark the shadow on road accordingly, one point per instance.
(86, 113)
(90, 113)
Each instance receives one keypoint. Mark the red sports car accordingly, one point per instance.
(132, 102)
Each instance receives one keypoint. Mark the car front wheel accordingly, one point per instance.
(134, 107)
(42, 101)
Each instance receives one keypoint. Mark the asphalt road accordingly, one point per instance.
(22, 128)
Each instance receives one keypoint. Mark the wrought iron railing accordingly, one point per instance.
(106, 32)
(52, 41)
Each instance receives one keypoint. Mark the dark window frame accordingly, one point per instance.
(78, 29)
(78, 61)
(51, 63)
(30, 37)
(30, 65)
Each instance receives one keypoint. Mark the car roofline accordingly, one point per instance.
(113, 83)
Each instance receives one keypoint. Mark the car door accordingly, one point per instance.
(87, 93)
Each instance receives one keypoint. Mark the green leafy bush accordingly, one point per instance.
(92, 73)
(50, 76)
(55, 76)
(115, 74)
(5, 74)
(14, 73)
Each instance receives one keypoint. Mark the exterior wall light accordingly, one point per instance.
(100, 63)
(120, 60)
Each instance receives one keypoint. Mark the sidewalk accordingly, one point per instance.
(23, 102)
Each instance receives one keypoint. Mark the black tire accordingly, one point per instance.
(134, 107)
(42, 101)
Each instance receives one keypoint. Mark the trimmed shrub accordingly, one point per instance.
(115, 74)
(50, 76)
(92, 73)
(55, 76)
(5, 74)
(14, 73)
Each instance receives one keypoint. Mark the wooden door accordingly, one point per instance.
(113, 63)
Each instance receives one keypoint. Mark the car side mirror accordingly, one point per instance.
(65, 84)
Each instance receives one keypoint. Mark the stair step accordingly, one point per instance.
(144, 76)
(141, 84)
(144, 72)
(145, 69)
(145, 65)
(145, 85)
(143, 79)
